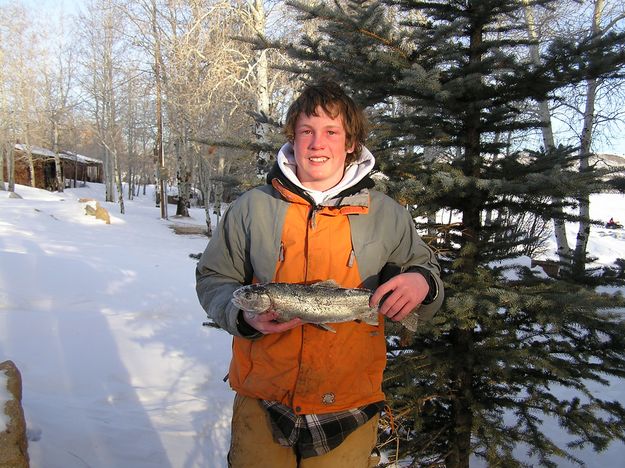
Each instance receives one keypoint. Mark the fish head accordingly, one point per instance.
(253, 298)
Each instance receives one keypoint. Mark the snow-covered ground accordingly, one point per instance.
(103, 322)
(104, 325)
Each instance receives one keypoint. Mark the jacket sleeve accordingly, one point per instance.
(413, 254)
(223, 267)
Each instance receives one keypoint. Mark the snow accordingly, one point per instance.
(105, 327)
(511, 268)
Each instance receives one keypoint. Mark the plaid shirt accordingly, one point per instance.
(316, 434)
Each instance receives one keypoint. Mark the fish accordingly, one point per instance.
(319, 303)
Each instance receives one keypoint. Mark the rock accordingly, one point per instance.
(101, 213)
(89, 210)
(13, 442)
(14, 195)
(98, 211)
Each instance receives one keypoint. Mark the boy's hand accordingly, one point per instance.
(266, 322)
(407, 291)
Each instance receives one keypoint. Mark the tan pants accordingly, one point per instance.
(252, 444)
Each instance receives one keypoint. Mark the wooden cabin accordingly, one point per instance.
(75, 168)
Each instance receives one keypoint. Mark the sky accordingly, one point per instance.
(104, 324)
(67, 6)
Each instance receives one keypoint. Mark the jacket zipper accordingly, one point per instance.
(312, 217)
(312, 223)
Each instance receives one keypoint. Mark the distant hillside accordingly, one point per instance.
(606, 160)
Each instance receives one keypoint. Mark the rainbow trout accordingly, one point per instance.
(319, 303)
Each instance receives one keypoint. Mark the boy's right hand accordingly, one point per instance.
(266, 322)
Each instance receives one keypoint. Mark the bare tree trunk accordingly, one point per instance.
(109, 173)
(3, 126)
(75, 179)
(105, 127)
(159, 114)
(2, 146)
(183, 176)
(259, 20)
(218, 187)
(204, 175)
(29, 157)
(144, 170)
(101, 29)
(10, 154)
(120, 186)
(112, 132)
(131, 182)
(99, 116)
(60, 182)
(130, 137)
(131, 163)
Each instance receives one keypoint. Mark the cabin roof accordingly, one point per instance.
(46, 153)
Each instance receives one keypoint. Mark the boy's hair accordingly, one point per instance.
(334, 101)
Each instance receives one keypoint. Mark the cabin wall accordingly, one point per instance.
(74, 173)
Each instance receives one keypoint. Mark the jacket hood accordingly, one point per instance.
(355, 178)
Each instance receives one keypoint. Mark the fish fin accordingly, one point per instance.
(411, 320)
(327, 284)
(325, 326)
(356, 291)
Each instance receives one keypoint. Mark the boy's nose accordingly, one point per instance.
(317, 141)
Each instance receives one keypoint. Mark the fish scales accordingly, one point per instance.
(320, 303)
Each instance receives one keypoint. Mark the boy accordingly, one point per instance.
(306, 397)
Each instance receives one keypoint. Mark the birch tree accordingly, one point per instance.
(563, 249)
(101, 27)
(3, 105)
(581, 113)
(258, 20)
(589, 119)
(22, 63)
(58, 82)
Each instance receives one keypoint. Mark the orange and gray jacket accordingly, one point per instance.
(275, 233)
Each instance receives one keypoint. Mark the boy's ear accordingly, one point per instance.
(350, 147)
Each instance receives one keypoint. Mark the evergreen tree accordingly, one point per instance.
(454, 77)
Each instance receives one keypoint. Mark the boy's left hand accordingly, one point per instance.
(407, 291)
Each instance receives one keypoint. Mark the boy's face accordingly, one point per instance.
(320, 149)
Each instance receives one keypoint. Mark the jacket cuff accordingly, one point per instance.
(245, 329)
(433, 292)
(391, 270)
